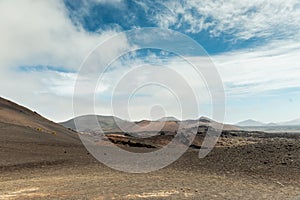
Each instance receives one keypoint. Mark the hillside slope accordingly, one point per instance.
(26, 137)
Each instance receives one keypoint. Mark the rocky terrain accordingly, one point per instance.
(40, 159)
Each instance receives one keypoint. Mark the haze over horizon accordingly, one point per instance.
(254, 45)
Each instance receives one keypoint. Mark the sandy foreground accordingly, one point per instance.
(238, 168)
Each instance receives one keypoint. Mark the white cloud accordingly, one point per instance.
(264, 69)
(108, 1)
(37, 32)
(158, 82)
(244, 19)
(41, 33)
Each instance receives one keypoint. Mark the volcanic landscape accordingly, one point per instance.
(40, 159)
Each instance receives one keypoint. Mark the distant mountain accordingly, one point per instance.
(272, 124)
(295, 122)
(250, 122)
(111, 124)
(90, 123)
(166, 119)
(205, 120)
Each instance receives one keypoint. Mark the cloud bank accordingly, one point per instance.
(43, 46)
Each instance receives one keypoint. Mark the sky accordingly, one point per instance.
(254, 45)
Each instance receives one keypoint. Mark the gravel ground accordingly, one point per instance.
(238, 168)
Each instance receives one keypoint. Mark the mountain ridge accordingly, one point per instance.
(90, 123)
(251, 122)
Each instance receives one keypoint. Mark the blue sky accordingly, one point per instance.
(97, 16)
(254, 45)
